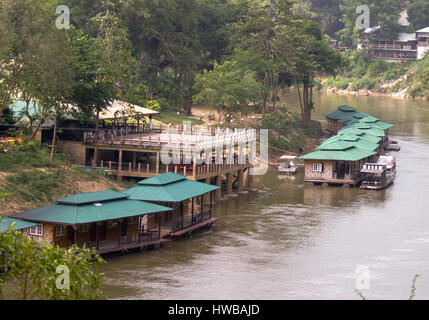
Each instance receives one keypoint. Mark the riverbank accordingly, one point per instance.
(28, 180)
(367, 76)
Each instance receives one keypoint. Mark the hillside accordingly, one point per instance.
(27, 180)
(369, 76)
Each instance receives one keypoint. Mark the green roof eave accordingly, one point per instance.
(173, 192)
(89, 213)
(353, 154)
(5, 222)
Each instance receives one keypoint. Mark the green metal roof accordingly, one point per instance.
(352, 140)
(163, 179)
(345, 114)
(360, 129)
(346, 108)
(351, 154)
(170, 188)
(19, 224)
(92, 197)
(88, 213)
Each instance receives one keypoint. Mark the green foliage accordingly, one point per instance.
(33, 185)
(29, 270)
(281, 120)
(418, 13)
(382, 12)
(365, 83)
(338, 82)
(226, 87)
(25, 156)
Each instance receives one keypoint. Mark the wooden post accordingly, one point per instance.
(175, 169)
(218, 191)
(110, 165)
(120, 161)
(229, 183)
(240, 181)
(194, 169)
(211, 203)
(129, 166)
(147, 168)
(120, 230)
(183, 217)
(192, 209)
(157, 163)
(102, 164)
(139, 167)
(97, 236)
(184, 171)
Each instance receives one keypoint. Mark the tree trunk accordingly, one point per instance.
(54, 140)
(97, 129)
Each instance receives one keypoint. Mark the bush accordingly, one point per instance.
(338, 82)
(365, 83)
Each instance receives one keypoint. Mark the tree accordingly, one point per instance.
(28, 269)
(418, 13)
(382, 12)
(226, 87)
(24, 24)
(266, 34)
(314, 55)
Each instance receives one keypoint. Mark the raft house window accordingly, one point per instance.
(60, 231)
(37, 230)
(318, 167)
(132, 220)
(112, 224)
(83, 228)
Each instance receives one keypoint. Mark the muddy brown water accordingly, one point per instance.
(293, 240)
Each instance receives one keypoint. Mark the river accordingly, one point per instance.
(293, 240)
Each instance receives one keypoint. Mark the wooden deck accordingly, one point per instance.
(131, 247)
(195, 227)
(335, 181)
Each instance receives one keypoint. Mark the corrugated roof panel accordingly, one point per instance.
(5, 222)
(163, 179)
(172, 192)
(91, 197)
(88, 213)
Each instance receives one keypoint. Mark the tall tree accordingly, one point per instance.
(267, 34)
(315, 55)
(418, 13)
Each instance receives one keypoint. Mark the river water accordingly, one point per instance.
(293, 240)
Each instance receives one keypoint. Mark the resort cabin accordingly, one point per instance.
(341, 117)
(107, 221)
(15, 224)
(336, 163)
(191, 202)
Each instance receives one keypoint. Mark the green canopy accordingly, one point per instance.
(5, 222)
(168, 187)
(95, 207)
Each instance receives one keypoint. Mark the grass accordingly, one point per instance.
(25, 156)
(175, 119)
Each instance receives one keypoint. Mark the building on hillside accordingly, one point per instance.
(190, 200)
(422, 42)
(107, 221)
